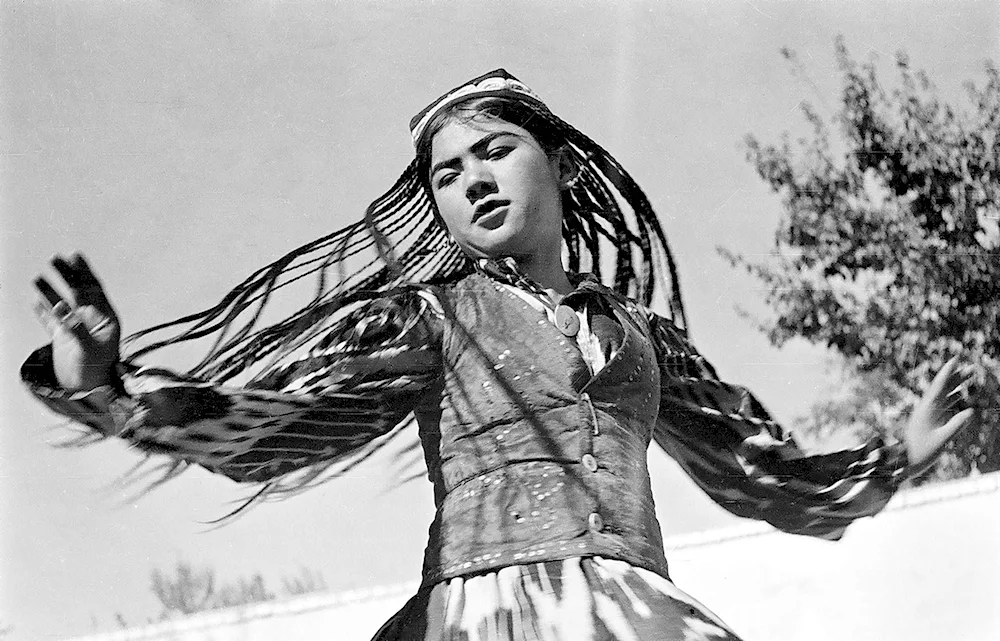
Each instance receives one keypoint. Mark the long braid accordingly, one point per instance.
(401, 241)
(606, 168)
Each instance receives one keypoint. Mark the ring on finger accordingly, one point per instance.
(62, 311)
(67, 316)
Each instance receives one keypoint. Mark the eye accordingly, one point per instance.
(445, 178)
(498, 152)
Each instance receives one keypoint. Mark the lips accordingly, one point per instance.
(487, 207)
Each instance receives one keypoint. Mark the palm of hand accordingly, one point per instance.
(938, 416)
(85, 363)
(83, 325)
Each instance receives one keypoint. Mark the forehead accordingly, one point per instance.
(458, 136)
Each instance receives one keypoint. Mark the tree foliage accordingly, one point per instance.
(307, 581)
(188, 589)
(887, 245)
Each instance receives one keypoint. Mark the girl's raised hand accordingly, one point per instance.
(84, 326)
(938, 416)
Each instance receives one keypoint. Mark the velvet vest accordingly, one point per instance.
(533, 458)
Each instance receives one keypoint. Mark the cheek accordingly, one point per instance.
(544, 191)
(538, 177)
(451, 212)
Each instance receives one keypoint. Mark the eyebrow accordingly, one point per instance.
(476, 148)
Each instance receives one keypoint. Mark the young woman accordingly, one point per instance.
(536, 389)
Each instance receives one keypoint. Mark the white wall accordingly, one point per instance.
(926, 569)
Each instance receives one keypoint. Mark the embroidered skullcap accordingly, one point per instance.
(497, 83)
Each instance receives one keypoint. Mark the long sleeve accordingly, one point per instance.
(363, 377)
(727, 442)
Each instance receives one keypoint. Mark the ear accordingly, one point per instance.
(565, 166)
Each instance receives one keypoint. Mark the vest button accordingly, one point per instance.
(595, 522)
(589, 462)
(567, 321)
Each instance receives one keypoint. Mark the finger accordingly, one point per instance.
(961, 387)
(66, 318)
(956, 403)
(962, 390)
(947, 379)
(954, 383)
(934, 441)
(946, 372)
(87, 288)
(61, 317)
(83, 269)
(957, 423)
(945, 407)
(959, 377)
(71, 321)
(44, 313)
(80, 331)
(69, 273)
(48, 292)
(936, 388)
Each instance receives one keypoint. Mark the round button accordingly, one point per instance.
(595, 522)
(567, 321)
(589, 462)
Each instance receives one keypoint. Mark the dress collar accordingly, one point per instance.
(505, 270)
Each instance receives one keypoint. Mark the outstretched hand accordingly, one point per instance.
(938, 416)
(82, 323)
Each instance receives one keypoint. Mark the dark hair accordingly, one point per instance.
(605, 203)
(491, 108)
(401, 241)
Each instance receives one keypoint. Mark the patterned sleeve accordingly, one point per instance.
(727, 442)
(369, 370)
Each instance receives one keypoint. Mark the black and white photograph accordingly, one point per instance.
(471, 320)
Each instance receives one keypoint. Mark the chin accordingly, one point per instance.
(496, 243)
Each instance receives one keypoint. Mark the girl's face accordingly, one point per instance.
(497, 190)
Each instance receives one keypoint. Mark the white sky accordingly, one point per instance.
(183, 144)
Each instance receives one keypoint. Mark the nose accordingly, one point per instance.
(479, 182)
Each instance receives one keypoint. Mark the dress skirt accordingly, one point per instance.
(575, 599)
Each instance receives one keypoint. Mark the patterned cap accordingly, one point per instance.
(495, 83)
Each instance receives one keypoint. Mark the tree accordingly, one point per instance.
(307, 581)
(189, 589)
(886, 250)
